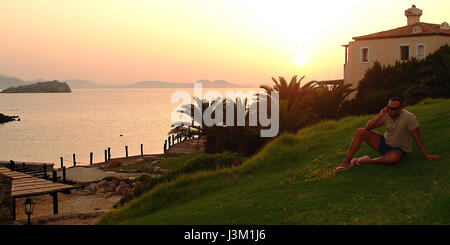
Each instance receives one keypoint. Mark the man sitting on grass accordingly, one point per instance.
(401, 125)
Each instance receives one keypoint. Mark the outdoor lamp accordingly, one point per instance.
(28, 206)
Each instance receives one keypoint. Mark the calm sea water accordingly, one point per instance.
(87, 120)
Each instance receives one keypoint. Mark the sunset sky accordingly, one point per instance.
(243, 42)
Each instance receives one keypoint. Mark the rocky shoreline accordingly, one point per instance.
(5, 118)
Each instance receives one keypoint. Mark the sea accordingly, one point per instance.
(54, 125)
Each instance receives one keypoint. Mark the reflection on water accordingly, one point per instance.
(87, 120)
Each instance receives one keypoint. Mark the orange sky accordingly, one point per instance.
(244, 42)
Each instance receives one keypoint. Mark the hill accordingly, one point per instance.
(76, 83)
(205, 84)
(291, 182)
(40, 87)
(6, 82)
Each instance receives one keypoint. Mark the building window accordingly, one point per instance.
(420, 50)
(404, 52)
(365, 55)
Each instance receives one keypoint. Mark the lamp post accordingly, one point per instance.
(28, 206)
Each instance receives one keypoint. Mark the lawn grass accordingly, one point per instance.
(290, 181)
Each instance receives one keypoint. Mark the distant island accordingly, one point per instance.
(40, 87)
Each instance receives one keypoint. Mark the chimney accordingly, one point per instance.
(413, 15)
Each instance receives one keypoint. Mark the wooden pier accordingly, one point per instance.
(24, 185)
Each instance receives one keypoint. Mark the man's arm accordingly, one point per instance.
(375, 123)
(416, 135)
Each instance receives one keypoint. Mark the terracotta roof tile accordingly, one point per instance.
(418, 29)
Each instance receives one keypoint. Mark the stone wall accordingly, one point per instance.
(5, 199)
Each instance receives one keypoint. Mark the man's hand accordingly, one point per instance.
(383, 112)
(430, 157)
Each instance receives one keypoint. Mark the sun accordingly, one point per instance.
(301, 59)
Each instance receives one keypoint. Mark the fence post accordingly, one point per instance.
(168, 141)
(91, 157)
(12, 165)
(74, 163)
(45, 170)
(61, 159)
(64, 174)
(142, 149)
(165, 146)
(126, 151)
(109, 153)
(55, 176)
(106, 155)
(24, 169)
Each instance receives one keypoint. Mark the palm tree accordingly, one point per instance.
(328, 99)
(295, 106)
(196, 127)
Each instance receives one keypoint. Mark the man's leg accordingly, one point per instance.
(372, 138)
(391, 157)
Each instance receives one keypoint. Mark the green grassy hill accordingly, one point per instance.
(291, 182)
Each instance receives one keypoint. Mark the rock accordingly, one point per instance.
(137, 183)
(101, 190)
(101, 184)
(109, 194)
(92, 187)
(163, 171)
(6, 118)
(122, 189)
(156, 169)
(84, 192)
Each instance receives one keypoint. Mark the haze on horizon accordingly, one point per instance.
(243, 42)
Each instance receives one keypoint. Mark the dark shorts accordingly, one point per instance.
(385, 148)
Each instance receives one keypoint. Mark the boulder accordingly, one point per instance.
(122, 189)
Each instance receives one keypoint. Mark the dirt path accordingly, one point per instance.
(77, 208)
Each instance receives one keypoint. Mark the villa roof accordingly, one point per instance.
(417, 29)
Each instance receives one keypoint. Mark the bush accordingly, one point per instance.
(414, 80)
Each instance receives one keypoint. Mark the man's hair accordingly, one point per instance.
(397, 98)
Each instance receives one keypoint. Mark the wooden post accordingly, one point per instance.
(55, 176)
(24, 169)
(173, 139)
(168, 141)
(74, 162)
(142, 149)
(55, 202)
(109, 153)
(62, 164)
(45, 170)
(12, 165)
(64, 174)
(106, 155)
(91, 157)
(126, 151)
(165, 146)
(13, 210)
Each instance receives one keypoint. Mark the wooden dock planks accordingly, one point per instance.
(27, 185)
